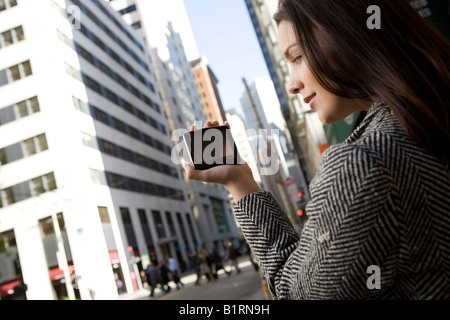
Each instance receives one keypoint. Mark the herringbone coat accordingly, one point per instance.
(378, 199)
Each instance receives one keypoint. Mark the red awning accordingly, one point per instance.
(57, 274)
(7, 288)
(114, 257)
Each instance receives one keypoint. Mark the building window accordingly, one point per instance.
(129, 9)
(35, 145)
(134, 185)
(26, 69)
(37, 186)
(65, 39)
(93, 85)
(181, 225)
(126, 155)
(129, 230)
(41, 141)
(125, 128)
(11, 36)
(135, 133)
(22, 109)
(50, 245)
(7, 4)
(161, 191)
(23, 149)
(104, 214)
(137, 25)
(71, 71)
(107, 147)
(97, 177)
(89, 141)
(115, 180)
(30, 147)
(119, 125)
(148, 188)
(19, 71)
(170, 223)
(80, 105)
(7, 197)
(2, 157)
(11, 270)
(28, 189)
(190, 222)
(125, 213)
(101, 116)
(158, 224)
(141, 160)
(147, 233)
(49, 182)
(219, 215)
(14, 73)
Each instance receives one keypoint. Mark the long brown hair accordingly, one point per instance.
(405, 62)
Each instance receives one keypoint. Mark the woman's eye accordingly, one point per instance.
(297, 59)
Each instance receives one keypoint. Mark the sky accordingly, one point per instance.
(224, 34)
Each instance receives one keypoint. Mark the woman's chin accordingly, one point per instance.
(327, 118)
(324, 119)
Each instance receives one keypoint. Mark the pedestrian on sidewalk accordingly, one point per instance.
(194, 263)
(204, 268)
(217, 263)
(233, 257)
(173, 269)
(164, 274)
(154, 278)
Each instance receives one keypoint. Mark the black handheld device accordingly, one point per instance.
(211, 147)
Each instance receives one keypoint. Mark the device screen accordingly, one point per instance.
(212, 146)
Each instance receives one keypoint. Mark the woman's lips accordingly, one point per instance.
(310, 99)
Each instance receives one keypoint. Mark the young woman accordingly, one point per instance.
(379, 217)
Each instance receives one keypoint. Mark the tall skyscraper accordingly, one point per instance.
(89, 192)
(206, 82)
(306, 131)
(243, 143)
(264, 98)
(165, 26)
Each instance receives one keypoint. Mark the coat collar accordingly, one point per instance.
(374, 114)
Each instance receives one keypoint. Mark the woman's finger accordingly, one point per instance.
(191, 173)
(208, 124)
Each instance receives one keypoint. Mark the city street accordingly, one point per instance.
(246, 285)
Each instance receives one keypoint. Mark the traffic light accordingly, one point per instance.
(300, 196)
(301, 211)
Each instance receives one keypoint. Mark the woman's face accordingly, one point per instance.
(330, 108)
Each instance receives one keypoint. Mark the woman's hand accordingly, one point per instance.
(238, 179)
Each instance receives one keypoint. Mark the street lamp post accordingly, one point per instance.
(279, 187)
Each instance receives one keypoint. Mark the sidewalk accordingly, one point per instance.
(187, 278)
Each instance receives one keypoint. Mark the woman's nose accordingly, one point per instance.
(295, 85)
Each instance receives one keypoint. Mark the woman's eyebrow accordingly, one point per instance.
(286, 52)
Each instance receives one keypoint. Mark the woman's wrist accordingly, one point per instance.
(242, 187)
